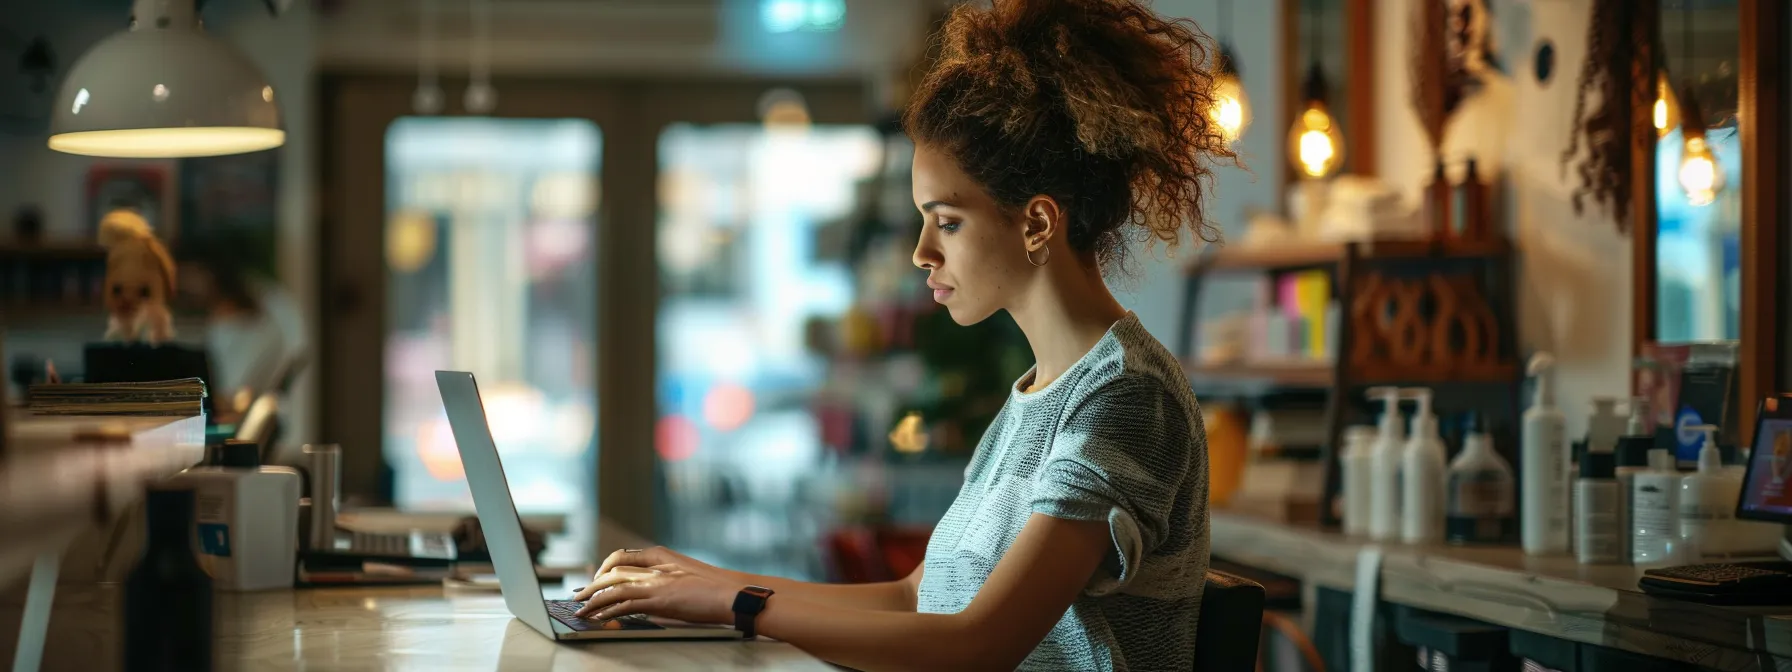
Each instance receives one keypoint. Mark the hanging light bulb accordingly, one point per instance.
(1231, 109)
(1666, 112)
(1315, 143)
(1700, 175)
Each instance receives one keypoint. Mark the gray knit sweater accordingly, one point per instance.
(1116, 438)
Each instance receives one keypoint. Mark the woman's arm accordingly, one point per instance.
(881, 596)
(1031, 588)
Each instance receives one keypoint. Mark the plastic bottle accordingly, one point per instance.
(168, 597)
(1654, 510)
(1708, 500)
(1632, 458)
(1604, 426)
(1480, 493)
(247, 519)
(1543, 467)
(1598, 525)
(1423, 474)
(1358, 464)
(1384, 478)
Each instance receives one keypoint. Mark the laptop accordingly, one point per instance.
(504, 536)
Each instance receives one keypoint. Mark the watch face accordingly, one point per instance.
(757, 590)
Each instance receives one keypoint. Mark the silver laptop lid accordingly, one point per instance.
(491, 498)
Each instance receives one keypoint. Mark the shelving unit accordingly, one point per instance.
(51, 280)
(1438, 314)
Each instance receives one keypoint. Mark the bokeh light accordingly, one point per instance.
(727, 406)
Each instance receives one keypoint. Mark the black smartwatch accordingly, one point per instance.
(747, 605)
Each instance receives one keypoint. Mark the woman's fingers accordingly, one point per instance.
(630, 557)
(614, 595)
(610, 578)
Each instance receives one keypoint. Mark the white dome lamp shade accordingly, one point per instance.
(164, 89)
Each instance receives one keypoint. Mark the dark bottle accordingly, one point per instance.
(168, 597)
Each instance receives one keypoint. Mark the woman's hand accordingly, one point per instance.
(666, 591)
(657, 557)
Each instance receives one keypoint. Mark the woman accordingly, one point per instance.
(1051, 133)
(255, 331)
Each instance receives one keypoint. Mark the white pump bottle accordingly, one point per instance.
(1384, 464)
(1424, 471)
(1543, 467)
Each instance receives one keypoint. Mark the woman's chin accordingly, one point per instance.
(966, 317)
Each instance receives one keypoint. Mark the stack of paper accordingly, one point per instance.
(184, 396)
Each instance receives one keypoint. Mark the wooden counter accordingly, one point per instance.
(1556, 596)
(60, 487)
(380, 629)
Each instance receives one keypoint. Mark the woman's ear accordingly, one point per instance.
(1041, 220)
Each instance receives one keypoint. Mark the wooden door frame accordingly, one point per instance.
(356, 110)
(1361, 108)
(1761, 117)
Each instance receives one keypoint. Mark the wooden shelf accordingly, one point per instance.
(53, 251)
(1299, 255)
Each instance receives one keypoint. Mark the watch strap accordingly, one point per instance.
(747, 605)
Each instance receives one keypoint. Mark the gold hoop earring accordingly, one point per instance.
(1043, 258)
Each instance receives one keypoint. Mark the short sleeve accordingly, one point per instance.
(1121, 456)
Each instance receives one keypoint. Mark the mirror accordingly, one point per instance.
(1329, 44)
(1698, 173)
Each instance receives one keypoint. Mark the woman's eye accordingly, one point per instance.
(949, 227)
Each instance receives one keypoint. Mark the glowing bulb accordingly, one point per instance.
(910, 434)
(1699, 173)
(1665, 113)
(1316, 145)
(1231, 109)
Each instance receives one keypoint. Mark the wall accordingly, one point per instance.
(1574, 279)
(32, 174)
(1156, 293)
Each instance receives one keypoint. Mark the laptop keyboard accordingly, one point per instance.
(563, 610)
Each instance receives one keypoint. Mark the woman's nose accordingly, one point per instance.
(927, 253)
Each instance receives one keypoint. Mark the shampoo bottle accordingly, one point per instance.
(1384, 464)
(1480, 493)
(1423, 473)
(1708, 501)
(1654, 510)
(1597, 522)
(1543, 467)
(1358, 464)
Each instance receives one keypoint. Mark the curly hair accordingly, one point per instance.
(1100, 104)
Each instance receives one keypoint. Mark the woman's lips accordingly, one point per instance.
(941, 295)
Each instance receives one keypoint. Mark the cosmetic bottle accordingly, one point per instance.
(1655, 510)
(1708, 501)
(1597, 504)
(1480, 493)
(1423, 475)
(1384, 478)
(1543, 467)
(1358, 465)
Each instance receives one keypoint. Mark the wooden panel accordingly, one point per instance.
(1359, 62)
(1762, 120)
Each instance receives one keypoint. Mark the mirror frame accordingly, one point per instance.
(1359, 73)
(1761, 118)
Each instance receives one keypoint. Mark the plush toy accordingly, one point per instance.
(139, 279)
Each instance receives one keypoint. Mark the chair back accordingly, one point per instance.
(1231, 624)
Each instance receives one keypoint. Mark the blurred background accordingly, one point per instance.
(672, 240)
